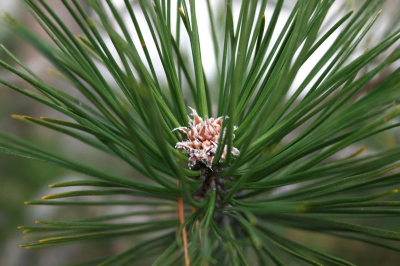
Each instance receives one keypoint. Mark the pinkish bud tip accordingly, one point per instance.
(202, 139)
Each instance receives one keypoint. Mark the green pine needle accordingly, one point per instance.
(298, 159)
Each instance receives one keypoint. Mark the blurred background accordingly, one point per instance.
(23, 179)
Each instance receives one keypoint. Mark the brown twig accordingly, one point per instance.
(181, 215)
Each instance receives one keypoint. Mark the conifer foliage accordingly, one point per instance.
(227, 180)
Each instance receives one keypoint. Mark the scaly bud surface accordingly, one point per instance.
(202, 138)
